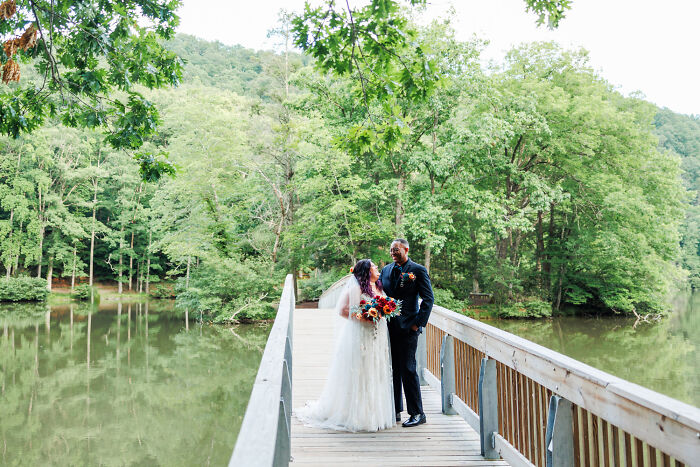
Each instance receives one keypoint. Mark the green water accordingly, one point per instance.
(122, 384)
(663, 356)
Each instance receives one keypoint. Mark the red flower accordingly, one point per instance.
(362, 302)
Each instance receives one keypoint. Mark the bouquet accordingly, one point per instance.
(377, 308)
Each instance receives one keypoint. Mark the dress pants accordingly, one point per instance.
(403, 361)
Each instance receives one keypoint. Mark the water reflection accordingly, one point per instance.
(121, 383)
(663, 356)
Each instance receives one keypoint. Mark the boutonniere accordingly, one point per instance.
(407, 276)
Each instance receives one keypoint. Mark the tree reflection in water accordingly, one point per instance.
(91, 392)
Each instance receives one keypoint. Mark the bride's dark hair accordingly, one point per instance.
(361, 271)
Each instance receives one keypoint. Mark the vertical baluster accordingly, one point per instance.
(606, 445)
(628, 450)
(595, 440)
(577, 437)
(527, 411)
(536, 423)
(585, 451)
(639, 448)
(617, 462)
(652, 456)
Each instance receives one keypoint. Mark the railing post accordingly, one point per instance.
(488, 408)
(559, 437)
(447, 374)
(422, 357)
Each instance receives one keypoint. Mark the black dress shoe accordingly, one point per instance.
(398, 416)
(415, 420)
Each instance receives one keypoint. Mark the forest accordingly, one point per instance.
(533, 180)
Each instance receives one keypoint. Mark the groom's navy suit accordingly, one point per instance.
(403, 339)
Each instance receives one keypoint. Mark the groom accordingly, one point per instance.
(405, 280)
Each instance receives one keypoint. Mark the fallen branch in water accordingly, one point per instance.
(248, 303)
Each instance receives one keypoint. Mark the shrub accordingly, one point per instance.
(164, 290)
(529, 309)
(23, 288)
(219, 288)
(84, 292)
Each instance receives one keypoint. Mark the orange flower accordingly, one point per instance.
(411, 276)
(372, 312)
(387, 310)
(351, 270)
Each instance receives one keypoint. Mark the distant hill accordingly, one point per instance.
(244, 71)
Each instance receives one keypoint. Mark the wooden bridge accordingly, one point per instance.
(491, 398)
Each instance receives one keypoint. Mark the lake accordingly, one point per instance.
(121, 384)
(663, 356)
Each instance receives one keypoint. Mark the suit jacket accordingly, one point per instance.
(408, 293)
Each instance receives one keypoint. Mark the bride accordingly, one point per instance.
(358, 394)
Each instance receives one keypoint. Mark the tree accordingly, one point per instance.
(89, 59)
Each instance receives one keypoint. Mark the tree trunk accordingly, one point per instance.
(278, 234)
(427, 258)
(75, 259)
(539, 249)
(474, 254)
(148, 264)
(42, 231)
(187, 276)
(399, 206)
(49, 274)
(547, 260)
(92, 232)
(140, 272)
(121, 259)
(131, 262)
(9, 259)
(16, 267)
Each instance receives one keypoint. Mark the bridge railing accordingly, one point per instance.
(264, 439)
(534, 406)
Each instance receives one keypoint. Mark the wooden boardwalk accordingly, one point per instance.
(446, 440)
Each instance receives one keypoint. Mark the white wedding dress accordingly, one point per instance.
(359, 393)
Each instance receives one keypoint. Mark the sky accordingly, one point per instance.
(643, 46)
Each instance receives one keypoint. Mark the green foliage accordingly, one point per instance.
(311, 289)
(231, 289)
(681, 134)
(88, 59)
(528, 309)
(23, 288)
(163, 290)
(446, 299)
(85, 292)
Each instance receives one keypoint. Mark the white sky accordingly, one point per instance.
(637, 45)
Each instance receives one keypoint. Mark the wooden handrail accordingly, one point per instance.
(264, 439)
(666, 424)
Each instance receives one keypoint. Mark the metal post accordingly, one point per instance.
(488, 408)
(283, 447)
(447, 374)
(559, 437)
(422, 358)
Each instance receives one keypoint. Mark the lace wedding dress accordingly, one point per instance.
(358, 394)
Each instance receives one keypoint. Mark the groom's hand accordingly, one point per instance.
(414, 328)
